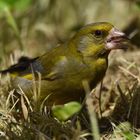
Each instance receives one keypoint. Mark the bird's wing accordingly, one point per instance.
(50, 65)
(24, 66)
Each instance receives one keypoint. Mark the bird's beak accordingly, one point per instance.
(116, 40)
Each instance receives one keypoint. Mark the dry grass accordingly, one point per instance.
(44, 24)
(119, 106)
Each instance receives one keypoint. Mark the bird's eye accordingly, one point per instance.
(98, 33)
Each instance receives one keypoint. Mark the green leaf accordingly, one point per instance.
(2, 6)
(22, 4)
(19, 5)
(63, 112)
(11, 21)
(10, 2)
(124, 129)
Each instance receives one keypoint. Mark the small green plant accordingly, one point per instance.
(63, 112)
(6, 8)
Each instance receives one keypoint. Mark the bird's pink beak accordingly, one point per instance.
(116, 40)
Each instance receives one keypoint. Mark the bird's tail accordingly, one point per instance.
(23, 63)
(4, 71)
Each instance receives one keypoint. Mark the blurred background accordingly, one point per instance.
(28, 27)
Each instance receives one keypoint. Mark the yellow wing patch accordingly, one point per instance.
(28, 76)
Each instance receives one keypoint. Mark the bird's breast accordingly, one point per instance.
(98, 70)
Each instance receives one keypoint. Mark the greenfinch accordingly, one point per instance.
(63, 68)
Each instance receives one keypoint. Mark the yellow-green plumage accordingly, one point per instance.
(63, 68)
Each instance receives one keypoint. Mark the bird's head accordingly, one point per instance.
(98, 39)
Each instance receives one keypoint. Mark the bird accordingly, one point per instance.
(59, 72)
